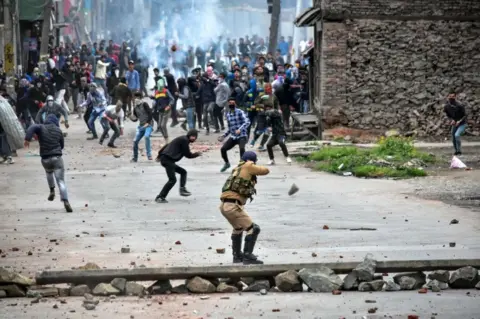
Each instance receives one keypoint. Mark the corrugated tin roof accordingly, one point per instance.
(308, 17)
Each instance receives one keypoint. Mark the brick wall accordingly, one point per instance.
(393, 8)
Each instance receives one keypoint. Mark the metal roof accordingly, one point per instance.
(308, 17)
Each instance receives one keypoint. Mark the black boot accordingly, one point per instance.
(237, 248)
(184, 192)
(248, 257)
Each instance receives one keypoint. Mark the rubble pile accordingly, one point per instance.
(321, 279)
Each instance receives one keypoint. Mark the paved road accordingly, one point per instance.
(397, 305)
(121, 212)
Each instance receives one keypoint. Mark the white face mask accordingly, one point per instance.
(49, 103)
(117, 73)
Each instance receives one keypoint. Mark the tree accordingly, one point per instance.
(274, 25)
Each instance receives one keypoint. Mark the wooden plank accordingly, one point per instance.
(171, 273)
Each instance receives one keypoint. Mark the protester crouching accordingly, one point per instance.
(455, 112)
(112, 118)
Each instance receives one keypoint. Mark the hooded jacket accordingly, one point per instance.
(49, 135)
(54, 109)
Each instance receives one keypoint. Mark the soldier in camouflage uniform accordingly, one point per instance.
(239, 187)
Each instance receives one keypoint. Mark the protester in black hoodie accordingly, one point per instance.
(51, 141)
(169, 155)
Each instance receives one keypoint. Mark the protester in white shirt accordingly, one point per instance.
(112, 118)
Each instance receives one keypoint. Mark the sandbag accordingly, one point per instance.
(11, 125)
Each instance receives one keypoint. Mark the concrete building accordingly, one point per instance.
(389, 64)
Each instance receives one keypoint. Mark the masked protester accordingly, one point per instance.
(458, 120)
(143, 114)
(112, 118)
(222, 93)
(162, 108)
(238, 123)
(188, 102)
(278, 134)
(98, 102)
(51, 142)
(52, 107)
(168, 156)
(267, 98)
(239, 187)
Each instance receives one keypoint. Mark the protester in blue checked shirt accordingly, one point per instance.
(238, 123)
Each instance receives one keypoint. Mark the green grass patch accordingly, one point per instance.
(392, 157)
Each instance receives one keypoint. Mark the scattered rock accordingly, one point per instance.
(454, 221)
(411, 281)
(79, 290)
(365, 271)
(63, 292)
(326, 227)
(89, 297)
(263, 292)
(119, 283)
(180, 289)
(134, 289)
(89, 306)
(105, 290)
(200, 285)
(314, 255)
(3, 294)
(247, 280)
(440, 275)
(463, 278)
(392, 286)
(220, 250)
(160, 287)
(336, 292)
(452, 244)
(372, 310)
(274, 289)
(422, 290)
(9, 277)
(320, 279)
(224, 288)
(13, 290)
(258, 285)
(370, 301)
(477, 286)
(375, 285)
(436, 286)
(43, 291)
(55, 306)
(178, 242)
(125, 250)
(350, 282)
(288, 281)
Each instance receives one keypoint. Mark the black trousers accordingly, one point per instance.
(231, 143)
(218, 117)
(106, 127)
(276, 140)
(171, 168)
(252, 116)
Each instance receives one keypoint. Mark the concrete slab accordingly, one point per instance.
(395, 305)
(113, 207)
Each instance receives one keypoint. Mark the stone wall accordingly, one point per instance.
(395, 74)
(398, 8)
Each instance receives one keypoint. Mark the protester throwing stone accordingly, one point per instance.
(169, 155)
(237, 189)
(51, 141)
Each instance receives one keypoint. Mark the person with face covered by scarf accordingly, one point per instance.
(238, 123)
(278, 134)
(38, 94)
(207, 94)
(263, 100)
(143, 114)
(98, 102)
(51, 141)
(162, 108)
(52, 107)
(256, 87)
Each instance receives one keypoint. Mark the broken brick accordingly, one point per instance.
(178, 242)
(423, 291)
(326, 227)
(336, 292)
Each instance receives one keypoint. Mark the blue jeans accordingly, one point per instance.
(457, 132)
(142, 132)
(190, 117)
(91, 121)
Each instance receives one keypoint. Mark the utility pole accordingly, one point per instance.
(46, 27)
(10, 36)
(274, 25)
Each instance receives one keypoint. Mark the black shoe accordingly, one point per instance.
(174, 124)
(251, 259)
(111, 145)
(216, 131)
(133, 160)
(51, 196)
(161, 200)
(184, 192)
(67, 206)
(184, 126)
(207, 132)
(458, 153)
(100, 142)
(158, 130)
(88, 132)
(237, 248)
